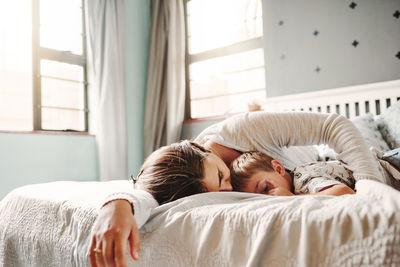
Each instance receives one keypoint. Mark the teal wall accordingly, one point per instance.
(37, 158)
(137, 43)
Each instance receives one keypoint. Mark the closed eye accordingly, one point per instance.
(268, 186)
(266, 189)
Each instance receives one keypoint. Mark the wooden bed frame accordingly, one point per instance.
(349, 101)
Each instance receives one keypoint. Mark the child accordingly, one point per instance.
(255, 172)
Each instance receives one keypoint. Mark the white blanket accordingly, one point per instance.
(49, 225)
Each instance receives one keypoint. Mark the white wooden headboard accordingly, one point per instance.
(350, 101)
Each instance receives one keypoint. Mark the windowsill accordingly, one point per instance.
(47, 132)
(204, 119)
(221, 117)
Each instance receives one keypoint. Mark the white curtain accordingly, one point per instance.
(105, 29)
(165, 96)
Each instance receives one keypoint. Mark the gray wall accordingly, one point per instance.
(294, 54)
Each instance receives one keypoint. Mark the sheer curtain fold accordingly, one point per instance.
(106, 74)
(165, 96)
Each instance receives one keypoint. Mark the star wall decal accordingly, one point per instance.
(353, 5)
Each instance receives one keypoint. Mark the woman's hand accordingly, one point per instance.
(279, 191)
(114, 226)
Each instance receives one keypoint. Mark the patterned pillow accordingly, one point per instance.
(367, 126)
(389, 125)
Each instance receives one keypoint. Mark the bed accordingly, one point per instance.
(49, 224)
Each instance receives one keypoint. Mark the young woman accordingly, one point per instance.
(187, 168)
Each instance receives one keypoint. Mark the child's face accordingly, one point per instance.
(263, 181)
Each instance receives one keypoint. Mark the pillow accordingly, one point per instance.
(389, 125)
(369, 130)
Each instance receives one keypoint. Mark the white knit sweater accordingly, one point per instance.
(272, 133)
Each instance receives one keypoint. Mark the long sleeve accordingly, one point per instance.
(271, 133)
(142, 203)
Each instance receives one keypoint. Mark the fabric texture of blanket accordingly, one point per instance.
(50, 224)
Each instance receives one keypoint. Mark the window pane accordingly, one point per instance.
(227, 75)
(213, 24)
(62, 86)
(15, 65)
(61, 25)
(61, 70)
(224, 104)
(59, 93)
(62, 119)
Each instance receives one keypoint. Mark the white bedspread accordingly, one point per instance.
(49, 225)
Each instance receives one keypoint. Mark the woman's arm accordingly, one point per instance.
(271, 132)
(118, 222)
(225, 153)
(112, 228)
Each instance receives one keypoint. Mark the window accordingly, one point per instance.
(42, 65)
(225, 59)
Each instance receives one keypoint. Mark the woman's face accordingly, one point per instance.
(216, 174)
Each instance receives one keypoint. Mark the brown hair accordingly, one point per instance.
(244, 166)
(174, 171)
